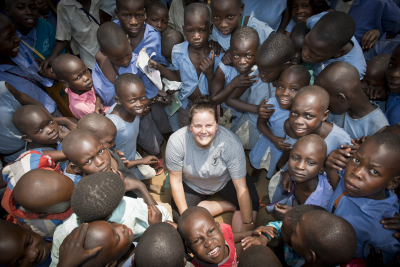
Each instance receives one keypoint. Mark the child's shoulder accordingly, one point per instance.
(180, 48)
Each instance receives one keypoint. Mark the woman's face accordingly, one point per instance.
(203, 128)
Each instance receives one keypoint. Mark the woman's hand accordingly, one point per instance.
(254, 240)
(155, 215)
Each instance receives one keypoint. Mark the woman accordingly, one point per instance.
(203, 159)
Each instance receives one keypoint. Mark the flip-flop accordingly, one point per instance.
(261, 200)
(159, 166)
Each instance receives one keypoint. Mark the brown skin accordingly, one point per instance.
(20, 246)
(373, 83)
(24, 14)
(197, 31)
(305, 162)
(243, 58)
(301, 10)
(393, 72)
(76, 76)
(369, 174)
(42, 182)
(132, 16)
(158, 18)
(298, 47)
(226, 15)
(9, 41)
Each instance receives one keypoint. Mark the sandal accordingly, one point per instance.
(159, 166)
(264, 201)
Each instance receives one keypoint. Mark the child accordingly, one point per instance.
(370, 175)
(20, 246)
(193, 60)
(176, 14)
(100, 196)
(40, 131)
(114, 59)
(331, 39)
(263, 234)
(77, 22)
(313, 240)
(160, 246)
(39, 34)
(272, 58)
(77, 79)
(209, 241)
(170, 38)
(45, 12)
(18, 68)
(373, 83)
(358, 116)
(140, 34)
(259, 256)
(227, 16)
(157, 16)
(393, 81)
(273, 132)
(125, 114)
(41, 199)
(243, 51)
(301, 10)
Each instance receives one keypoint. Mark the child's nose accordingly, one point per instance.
(208, 242)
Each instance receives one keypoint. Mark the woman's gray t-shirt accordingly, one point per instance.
(206, 171)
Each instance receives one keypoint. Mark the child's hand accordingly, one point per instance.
(264, 110)
(155, 215)
(149, 160)
(72, 252)
(175, 225)
(369, 39)
(269, 230)
(216, 47)
(286, 182)
(338, 159)
(99, 107)
(282, 209)
(375, 258)
(392, 224)
(227, 58)
(207, 66)
(244, 80)
(121, 155)
(374, 92)
(254, 240)
(279, 142)
(153, 64)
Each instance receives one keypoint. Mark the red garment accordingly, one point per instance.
(228, 235)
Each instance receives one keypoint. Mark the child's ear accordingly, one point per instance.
(342, 98)
(75, 168)
(287, 65)
(188, 248)
(325, 116)
(117, 100)
(116, 13)
(339, 53)
(7, 10)
(27, 227)
(64, 83)
(241, 8)
(394, 183)
(26, 138)
(112, 264)
(310, 256)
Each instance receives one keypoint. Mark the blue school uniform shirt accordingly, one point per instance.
(290, 26)
(393, 109)
(152, 42)
(74, 177)
(364, 215)
(181, 61)
(355, 57)
(42, 38)
(385, 46)
(382, 15)
(268, 11)
(28, 68)
(105, 89)
(262, 29)
(276, 125)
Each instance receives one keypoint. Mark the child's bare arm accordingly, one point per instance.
(165, 72)
(234, 101)
(333, 177)
(145, 161)
(237, 237)
(219, 94)
(59, 46)
(57, 156)
(285, 18)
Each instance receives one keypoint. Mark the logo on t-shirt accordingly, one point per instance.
(215, 159)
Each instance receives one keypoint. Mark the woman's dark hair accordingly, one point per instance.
(203, 103)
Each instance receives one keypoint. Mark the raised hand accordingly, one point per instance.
(155, 215)
(207, 66)
(265, 110)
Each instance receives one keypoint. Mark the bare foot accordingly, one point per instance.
(157, 189)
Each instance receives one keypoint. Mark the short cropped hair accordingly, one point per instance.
(299, 30)
(380, 63)
(197, 10)
(317, 91)
(189, 214)
(95, 123)
(331, 237)
(319, 143)
(155, 4)
(96, 196)
(245, 34)
(110, 36)
(300, 71)
(160, 246)
(259, 256)
(390, 141)
(335, 28)
(61, 62)
(277, 48)
(124, 79)
(118, 3)
(295, 214)
(23, 114)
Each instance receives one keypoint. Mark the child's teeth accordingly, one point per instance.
(16, 49)
(214, 251)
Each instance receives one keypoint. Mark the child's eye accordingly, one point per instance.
(356, 160)
(30, 241)
(230, 17)
(236, 56)
(294, 113)
(374, 172)
(88, 161)
(391, 65)
(50, 122)
(101, 151)
(216, 17)
(309, 116)
(249, 56)
(212, 230)
(294, 89)
(310, 163)
(39, 131)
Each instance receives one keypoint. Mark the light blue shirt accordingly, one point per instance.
(27, 67)
(355, 57)
(393, 109)
(290, 26)
(105, 89)
(181, 61)
(268, 11)
(364, 215)
(152, 42)
(262, 29)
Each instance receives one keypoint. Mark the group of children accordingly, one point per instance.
(299, 94)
